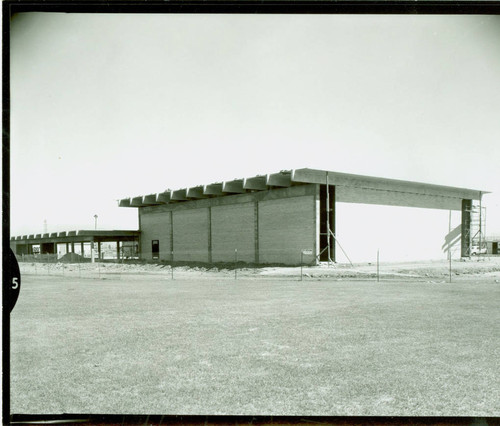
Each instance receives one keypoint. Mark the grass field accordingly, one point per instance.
(146, 344)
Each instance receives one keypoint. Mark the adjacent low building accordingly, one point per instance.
(72, 241)
(304, 215)
(493, 244)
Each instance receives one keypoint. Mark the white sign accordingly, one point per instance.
(307, 251)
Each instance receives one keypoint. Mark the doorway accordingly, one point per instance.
(155, 249)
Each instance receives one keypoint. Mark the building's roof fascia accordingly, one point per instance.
(287, 178)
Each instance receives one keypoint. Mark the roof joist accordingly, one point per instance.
(136, 202)
(287, 178)
(256, 183)
(195, 192)
(150, 200)
(163, 197)
(178, 195)
(213, 189)
(233, 186)
(279, 179)
(124, 203)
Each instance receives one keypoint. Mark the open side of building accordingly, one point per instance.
(285, 217)
(74, 241)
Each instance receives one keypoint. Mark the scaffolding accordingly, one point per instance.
(475, 234)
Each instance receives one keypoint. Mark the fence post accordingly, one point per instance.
(172, 266)
(235, 261)
(301, 262)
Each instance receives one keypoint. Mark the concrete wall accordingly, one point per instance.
(209, 230)
(233, 227)
(346, 194)
(286, 227)
(191, 231)
(155, 226)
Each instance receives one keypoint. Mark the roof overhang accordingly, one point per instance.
(287, 178)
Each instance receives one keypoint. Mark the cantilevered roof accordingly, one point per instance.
(287, 178)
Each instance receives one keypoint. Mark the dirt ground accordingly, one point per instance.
(121, 341)
(476, 268)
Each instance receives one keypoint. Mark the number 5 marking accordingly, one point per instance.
(15, 284)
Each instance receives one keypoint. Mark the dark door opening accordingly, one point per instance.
(155, 249)
(494, 248)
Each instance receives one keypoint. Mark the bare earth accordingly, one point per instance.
(129, 339)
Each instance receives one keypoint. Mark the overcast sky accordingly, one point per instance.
(111, 106)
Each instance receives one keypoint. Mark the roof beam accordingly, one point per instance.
(195, 192)
(279, 179)
(233, 186)
(163, 197)
(149, 200)
(395, 185)
(136, 202)
(213, 189)
(178, 195)
(124, 203)
(257, 182)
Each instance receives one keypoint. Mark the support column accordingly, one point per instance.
(92, 251)
(118, 250)
(99, 250)
(326, 222)
(82, 247)
(331, 207)
(72, 247)
(466, 236)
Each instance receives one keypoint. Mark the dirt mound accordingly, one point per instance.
(73, 258)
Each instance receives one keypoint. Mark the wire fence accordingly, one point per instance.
(433, 271)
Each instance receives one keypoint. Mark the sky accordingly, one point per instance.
(109, 106)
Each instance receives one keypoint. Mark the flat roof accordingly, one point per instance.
(287, 178)
(79, 236)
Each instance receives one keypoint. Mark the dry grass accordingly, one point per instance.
(150, 345)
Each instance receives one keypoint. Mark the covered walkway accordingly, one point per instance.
(126, 242)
